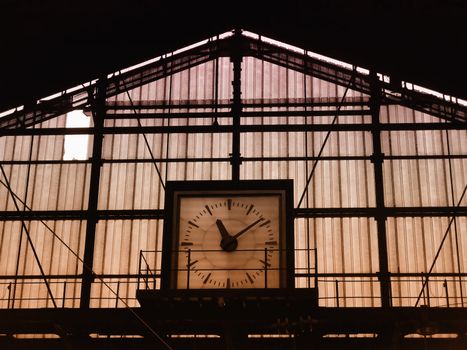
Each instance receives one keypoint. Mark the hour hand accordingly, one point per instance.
(222, 229)
(228, 243)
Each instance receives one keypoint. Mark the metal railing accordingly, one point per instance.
(335, 289)
(149, 272)
(110, 291)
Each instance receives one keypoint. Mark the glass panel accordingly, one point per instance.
(424, 182)
(334, 184)
(17, 259)
(401, 114)
(301, 144)
(49, 186)
(424, 142)
(349, 292)
(437, 292)
(118, 244)
(345, 245)
(265, 80)
(196, 84)
(413, 244)
(117, 252)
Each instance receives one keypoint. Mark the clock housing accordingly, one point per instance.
(228, 235)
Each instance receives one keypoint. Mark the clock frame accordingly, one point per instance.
(228, 235)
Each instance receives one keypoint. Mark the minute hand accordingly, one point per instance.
(247, 228)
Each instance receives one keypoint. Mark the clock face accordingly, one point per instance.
(219, 235)
(229, 241)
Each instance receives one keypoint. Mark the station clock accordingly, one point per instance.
(228, 235)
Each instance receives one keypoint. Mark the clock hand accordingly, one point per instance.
(247, 228)
(222, 230)
(228, 243)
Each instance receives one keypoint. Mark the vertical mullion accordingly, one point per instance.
(91, 223)
(236, 58)
(380, 216)
(456, 239)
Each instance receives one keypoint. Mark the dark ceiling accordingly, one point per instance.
(49, 45)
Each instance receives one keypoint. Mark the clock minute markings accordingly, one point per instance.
(206, 279)
(265, 223)
(208, 209)
(249, 209)
(250, 278)
(193, 224)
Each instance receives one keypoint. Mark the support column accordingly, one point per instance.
(236, 58)
(98, 110)
(380, 216)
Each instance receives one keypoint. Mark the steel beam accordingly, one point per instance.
(416, 275)
(236, 111)
(243, 114)
(226, 159)
(388, 212)
(319, 322)
(309, 102)
(301, 342)
(91, 222)
(158, 214)
(380, 214)
(212, 129)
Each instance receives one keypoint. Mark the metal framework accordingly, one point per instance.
(384, 327)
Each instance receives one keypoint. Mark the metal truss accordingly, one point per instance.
(365, 328)
(391, 93)
(82, 98)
